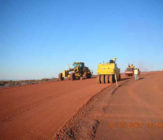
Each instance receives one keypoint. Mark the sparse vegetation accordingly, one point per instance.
(11, 83)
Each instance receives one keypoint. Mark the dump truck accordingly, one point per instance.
(129, 72)
(108, 72)
(79, 71)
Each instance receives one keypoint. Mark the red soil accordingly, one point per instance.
(37, 111)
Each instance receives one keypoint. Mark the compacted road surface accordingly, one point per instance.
(134, 111)
(131, 111)
(37, 111)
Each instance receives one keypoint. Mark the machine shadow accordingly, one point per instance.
(123, 79)
(141, 78)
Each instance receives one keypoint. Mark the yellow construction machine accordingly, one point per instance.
(79, 71)
(129, 72)
(108, 72)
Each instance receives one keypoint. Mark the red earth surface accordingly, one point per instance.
(37, 111)
(134, 110)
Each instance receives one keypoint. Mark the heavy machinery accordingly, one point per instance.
(129, 72)
(79, 71)
(108, 72)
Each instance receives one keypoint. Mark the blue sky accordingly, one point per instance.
(38, 38)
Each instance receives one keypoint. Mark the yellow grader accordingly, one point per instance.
(79, 71)
(108, 72)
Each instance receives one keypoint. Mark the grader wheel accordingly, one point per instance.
(99, 79)
(102, 78)
(106, 79)
(60, 77)
(85, 75)
(88, 75)
(72, 76)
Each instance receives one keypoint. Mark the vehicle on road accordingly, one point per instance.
(129, 72)
(108, 72)
(79, 71)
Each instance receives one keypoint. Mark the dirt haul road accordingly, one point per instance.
(37, 111)
(133, 111)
